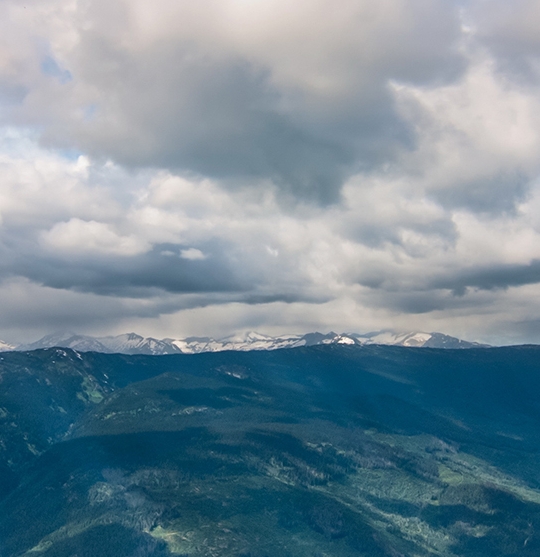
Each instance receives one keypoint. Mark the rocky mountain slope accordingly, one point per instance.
(321, 450)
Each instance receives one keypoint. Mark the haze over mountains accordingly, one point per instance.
(132, 343)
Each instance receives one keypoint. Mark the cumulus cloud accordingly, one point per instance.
(499, 276)
(269, 91)
(191, 168)
(478, 139)
(77, 238)
(192, 253)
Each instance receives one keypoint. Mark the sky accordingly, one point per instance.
(181, 168)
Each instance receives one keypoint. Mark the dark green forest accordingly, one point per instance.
(315, 451)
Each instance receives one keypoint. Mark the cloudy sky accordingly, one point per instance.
(198, 168)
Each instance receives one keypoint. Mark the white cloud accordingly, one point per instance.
(478, 139)
(40, 187)
(192, 254)
(77, 237)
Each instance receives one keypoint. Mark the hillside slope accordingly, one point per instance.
(323, 450)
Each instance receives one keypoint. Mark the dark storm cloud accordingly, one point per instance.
(430, 294)
(179, 104)
(490, 278)
(165, 271)
(213, 117)
(216, 118)
(452, 291)
(287, 297)
(160, 269)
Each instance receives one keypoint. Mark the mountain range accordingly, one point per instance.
(132, 343)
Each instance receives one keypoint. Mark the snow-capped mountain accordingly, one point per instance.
(66, 339)
(247, 341)
(5, 346)
(129, 343)
(132, 343)
(417, 339)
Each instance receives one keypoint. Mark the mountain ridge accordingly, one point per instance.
(132, 343)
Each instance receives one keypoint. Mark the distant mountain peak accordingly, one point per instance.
(132, 336)
(66, 339)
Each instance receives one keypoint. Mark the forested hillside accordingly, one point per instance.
(315, 451)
